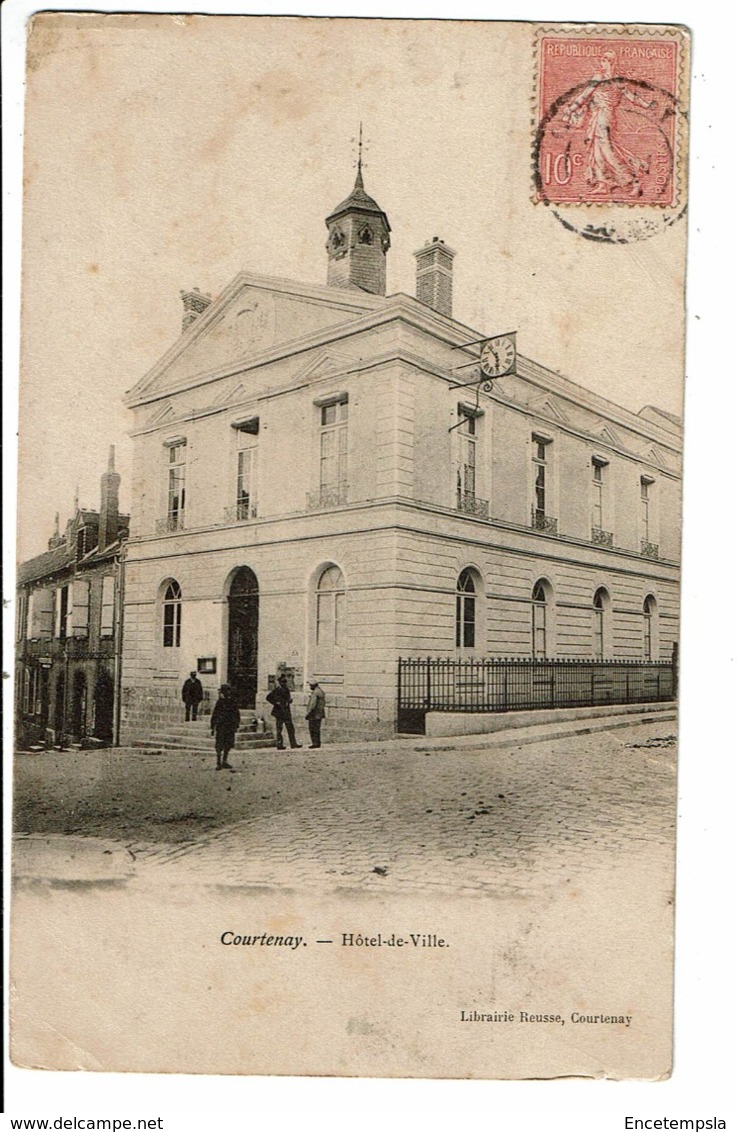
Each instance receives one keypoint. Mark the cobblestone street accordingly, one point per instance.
(471, 814)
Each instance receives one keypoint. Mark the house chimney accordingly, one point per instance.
(195, 304)
(110, 485)
(435, 276)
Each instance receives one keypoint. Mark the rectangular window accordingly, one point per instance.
(334, 452)
(645, 509)
(107, 607)
(61, 626)
(245, 502)
(80, 608)
(597, 497)
(466, 479)
(540, 469)
(176, 486)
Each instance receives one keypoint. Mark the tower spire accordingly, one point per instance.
(359, 174)
(358, 238)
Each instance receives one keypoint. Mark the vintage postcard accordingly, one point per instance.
(347, 606)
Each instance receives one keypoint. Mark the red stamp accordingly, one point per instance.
(609, 124)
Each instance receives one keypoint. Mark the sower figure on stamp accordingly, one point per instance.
(191, 696)
(609, 166)
(315, 713)
(224, 722)
(280, 699)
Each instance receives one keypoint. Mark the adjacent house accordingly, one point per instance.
(68, 630)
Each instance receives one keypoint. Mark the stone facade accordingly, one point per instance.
(312, 495)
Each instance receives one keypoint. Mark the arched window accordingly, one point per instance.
(539, 621)
(649, 610)
(172, 616)
(601, 606)
(365, 236)
(330, 621)
(465, 611)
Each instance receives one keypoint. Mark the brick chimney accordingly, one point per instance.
(195, 304)
(109, 485)
(435, 276)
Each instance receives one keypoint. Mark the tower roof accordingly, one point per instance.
(358, 201)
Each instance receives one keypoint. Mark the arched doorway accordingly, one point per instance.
(79, 705)
(243, 636)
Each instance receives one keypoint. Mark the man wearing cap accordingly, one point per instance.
(280, 699)
(224, 723)
(315, 713)
(191, 697)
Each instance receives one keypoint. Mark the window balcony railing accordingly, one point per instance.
(602, 538)
(333, 496)
(170, 523)
(240, 512)
(542, 522)
(470, 504)
(649, 549)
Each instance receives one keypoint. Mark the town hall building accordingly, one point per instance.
(314, 494)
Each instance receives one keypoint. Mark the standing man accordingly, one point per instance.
(315, 713)
(224, 722)
(280, 699)
(191, 696)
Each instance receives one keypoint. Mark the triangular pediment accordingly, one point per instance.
(252, 317)
(232, 394)
(655, 455)
(608, 435)
(326, 363)
(162, 414)
(550, 407)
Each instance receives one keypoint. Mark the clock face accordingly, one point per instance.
(498, 356)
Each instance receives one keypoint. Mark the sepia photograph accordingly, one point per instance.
(347, 606)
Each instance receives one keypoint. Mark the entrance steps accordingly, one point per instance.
(196, 736)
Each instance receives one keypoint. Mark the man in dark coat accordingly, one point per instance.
(280, 699)
(315, 713)
(224, 722)
(191, 696)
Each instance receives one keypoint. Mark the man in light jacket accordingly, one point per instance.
(315, 713)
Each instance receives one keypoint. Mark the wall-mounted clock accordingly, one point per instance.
(498, 356)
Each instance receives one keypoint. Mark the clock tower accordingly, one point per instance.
(358, 240)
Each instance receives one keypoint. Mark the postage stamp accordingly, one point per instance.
(610, 116)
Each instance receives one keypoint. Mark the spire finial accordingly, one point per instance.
(359, 174)
(111, 459)
(76, 499)
(56, 525)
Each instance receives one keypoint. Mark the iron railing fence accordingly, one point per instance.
(501, 684)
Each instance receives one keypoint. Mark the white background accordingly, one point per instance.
(703, 1081)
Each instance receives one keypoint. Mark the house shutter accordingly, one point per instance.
(58, 615)
(42, 614)
(107, 611)
(80, 608)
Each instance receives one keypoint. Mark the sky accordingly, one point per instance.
(169, 152)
